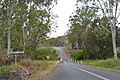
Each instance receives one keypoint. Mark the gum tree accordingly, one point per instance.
(110, 9)
(16, 17)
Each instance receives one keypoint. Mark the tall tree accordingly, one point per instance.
(92, 31)
(80, 23)
(110, 9)
(25, 20)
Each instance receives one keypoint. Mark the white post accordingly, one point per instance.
(9, 28)
(8, 42)
(15, 58)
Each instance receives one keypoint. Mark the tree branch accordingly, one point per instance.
(118, 16)
(116, 7)
(101, 7)
(103, 27)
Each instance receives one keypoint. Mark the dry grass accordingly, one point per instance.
(44, 71)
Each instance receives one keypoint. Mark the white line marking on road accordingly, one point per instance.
(91, 73)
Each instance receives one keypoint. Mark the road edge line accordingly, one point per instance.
(91, 73)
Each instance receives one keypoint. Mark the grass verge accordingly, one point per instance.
(108, 64)
(28, 69)
(43, 72)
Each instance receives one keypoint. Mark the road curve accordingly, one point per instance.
(67, 70)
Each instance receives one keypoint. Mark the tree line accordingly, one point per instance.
(94, 28)
(25, 23)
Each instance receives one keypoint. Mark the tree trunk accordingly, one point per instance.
(113, 30)
(9, 28)
(113, 20)
(114, 43)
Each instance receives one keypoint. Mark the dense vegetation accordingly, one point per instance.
(24, 25)
(42, 53)
(78, 55)
(59, 41)
(93, 30)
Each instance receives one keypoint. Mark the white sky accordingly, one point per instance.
(63, 9)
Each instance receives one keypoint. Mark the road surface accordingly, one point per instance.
(67, 70)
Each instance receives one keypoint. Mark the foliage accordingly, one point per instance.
(76, 54)
(109, 9)
(42, 53)
(47, 52)
(98, 45)
(91, 31)
(27, 21)
(118, 37)
(118, 51)
(59, 41)
(4, 70)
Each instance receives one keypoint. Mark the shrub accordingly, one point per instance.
(42, 53)
(4, 70)
(76, 54)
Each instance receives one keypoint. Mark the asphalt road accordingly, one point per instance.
(67, 70)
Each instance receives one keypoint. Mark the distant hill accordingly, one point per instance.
(59, 41)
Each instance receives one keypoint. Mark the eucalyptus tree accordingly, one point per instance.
(7, 7)
(74, 36)
(23, 20)
(80, 22)
(3, 25)
(110, 9)
(91, 31)
(39, 21)
(98, 40)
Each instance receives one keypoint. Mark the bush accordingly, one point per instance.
(4, 70)
(42, 53)
(76, 54)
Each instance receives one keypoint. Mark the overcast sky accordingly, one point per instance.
(63, 9)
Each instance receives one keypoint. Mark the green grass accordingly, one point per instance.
(109, 64)
(4, 70)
